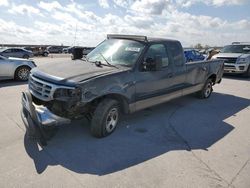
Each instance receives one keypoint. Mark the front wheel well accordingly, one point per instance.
(22, 66)
(123, 101)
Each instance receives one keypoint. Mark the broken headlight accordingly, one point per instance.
(67, 93)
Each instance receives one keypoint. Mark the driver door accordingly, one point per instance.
(154, 87)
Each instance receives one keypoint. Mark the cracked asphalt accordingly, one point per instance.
(186, 142)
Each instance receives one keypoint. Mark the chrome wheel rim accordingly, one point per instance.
(208, 89)
(112, 119)
(23, 74)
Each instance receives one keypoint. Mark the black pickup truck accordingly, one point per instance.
(123, 74)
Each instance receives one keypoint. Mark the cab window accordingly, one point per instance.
(176, 52)
(158, 49)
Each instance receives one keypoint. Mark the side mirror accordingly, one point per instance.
(151, 64)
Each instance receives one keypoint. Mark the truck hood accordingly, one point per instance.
(230, 55)
(72, 72)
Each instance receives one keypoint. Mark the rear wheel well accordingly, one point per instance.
(213, 78)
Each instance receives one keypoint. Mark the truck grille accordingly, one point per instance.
(40, 89)
(44, 90)
(228, 59)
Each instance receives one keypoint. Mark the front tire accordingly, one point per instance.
(105, 118)
(22, 73)
(206, 90)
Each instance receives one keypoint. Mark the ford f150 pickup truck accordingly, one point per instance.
(123, 74)
(236, 58)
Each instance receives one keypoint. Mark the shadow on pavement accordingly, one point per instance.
(7, 83)
(183, 124)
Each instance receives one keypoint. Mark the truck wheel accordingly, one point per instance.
(206, 90)
(45, 54)
(22, 73)
(105, 118)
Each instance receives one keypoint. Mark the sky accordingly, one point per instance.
(87, 22)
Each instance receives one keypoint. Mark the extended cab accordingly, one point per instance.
(236, 58)
(123, 74)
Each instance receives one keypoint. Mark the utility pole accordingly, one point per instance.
(75, 35)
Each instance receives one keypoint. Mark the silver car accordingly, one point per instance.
(16, 52)
(15, 68)
(236, 58)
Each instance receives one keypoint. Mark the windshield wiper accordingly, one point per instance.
(107, 61)
(99, 63)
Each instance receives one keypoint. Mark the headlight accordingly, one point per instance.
(241, 60)
(62, 93)
(33, 63)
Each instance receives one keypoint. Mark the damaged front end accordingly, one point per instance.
(39, 120)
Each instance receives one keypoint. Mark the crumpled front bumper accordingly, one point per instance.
(38, 118)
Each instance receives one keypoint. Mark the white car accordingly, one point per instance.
(236, 58)
(15, 68)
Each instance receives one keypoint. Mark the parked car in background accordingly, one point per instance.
(38, 51)
(16, 52)
(138, 73)
(87, 50)
(15, 68)
(236, 57)
(193, 55)
(68, 50)
(55, 49)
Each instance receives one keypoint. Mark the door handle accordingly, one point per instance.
(204, 68)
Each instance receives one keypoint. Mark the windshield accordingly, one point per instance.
(235, 49)
(117, 52)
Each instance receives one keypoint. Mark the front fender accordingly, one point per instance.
(93, 93)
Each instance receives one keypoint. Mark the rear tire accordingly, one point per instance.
(45, 54)
(206, 90)
(105, 118)
(22, 73)
(26, 56)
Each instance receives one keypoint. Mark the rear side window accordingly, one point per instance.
(158, 49)
(176, 52)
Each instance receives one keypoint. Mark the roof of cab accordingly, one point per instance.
(138, 38)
